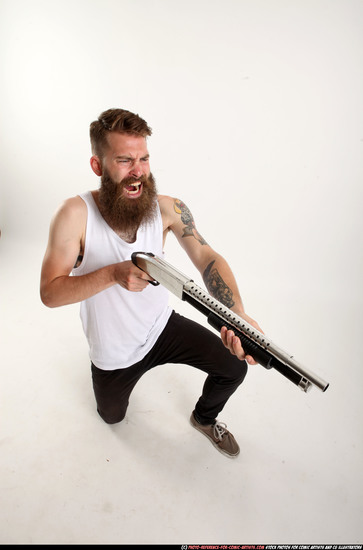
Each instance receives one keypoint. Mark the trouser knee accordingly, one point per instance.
(237, 370)
(112, 417)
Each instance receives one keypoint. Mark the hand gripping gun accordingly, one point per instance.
(263, 350)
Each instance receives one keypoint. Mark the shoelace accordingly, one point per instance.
(219, 429)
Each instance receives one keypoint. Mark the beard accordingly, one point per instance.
(123, 214)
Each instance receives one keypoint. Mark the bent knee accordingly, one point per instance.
(111, 418)
(238, 369)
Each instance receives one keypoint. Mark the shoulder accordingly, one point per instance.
(165, 202)
(167, 209)
(174, 212)
(176, 208)
(171, 206)
(71, 215)
(71, 207)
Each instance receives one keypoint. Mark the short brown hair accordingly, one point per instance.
(116, 120)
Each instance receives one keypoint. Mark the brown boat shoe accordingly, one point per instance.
(219, 436)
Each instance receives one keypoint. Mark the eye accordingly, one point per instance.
(124, 161)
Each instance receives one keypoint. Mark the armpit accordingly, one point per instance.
(78, 261)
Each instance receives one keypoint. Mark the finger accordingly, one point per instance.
(250, 360)
(230, 336)
(233, 343)
(138, 273)
(227, 336)
(237, 348)
(224, 335)
(145, 276)
(137, 285)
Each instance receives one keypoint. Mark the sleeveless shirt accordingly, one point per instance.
(121, 326)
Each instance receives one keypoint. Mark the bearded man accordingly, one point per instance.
(128, 323)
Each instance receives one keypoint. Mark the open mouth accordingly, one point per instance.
(133, 189)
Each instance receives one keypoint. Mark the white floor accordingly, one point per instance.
(66, 477)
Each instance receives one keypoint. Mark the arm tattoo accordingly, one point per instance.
(217, 287)
(187, 219)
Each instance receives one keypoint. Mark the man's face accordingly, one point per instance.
(128, 191)
(126, 160)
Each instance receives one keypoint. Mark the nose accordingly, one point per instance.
(136, 170)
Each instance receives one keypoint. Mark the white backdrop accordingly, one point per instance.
(256, 110)
(257, 117)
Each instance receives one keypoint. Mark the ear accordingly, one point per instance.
(96, 165)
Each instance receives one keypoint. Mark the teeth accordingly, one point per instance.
(136, 186)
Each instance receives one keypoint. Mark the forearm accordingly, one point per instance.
(221, 284)
(66, 289)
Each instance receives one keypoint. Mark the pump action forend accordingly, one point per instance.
(263, 350)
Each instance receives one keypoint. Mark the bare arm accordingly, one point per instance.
(66, 238)
(217, 274)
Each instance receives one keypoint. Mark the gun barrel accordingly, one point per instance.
(304, 378)
(267, 353)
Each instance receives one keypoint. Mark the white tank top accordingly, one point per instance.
(121, 326)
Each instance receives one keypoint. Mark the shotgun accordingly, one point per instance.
(254, 342)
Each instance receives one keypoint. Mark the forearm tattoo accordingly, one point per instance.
(187, 219)
(217, 287)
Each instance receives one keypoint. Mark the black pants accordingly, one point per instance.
(182, 341)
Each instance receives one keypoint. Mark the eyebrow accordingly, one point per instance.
(127, 157)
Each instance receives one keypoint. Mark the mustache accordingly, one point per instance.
(132, 179)
(122, 213)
